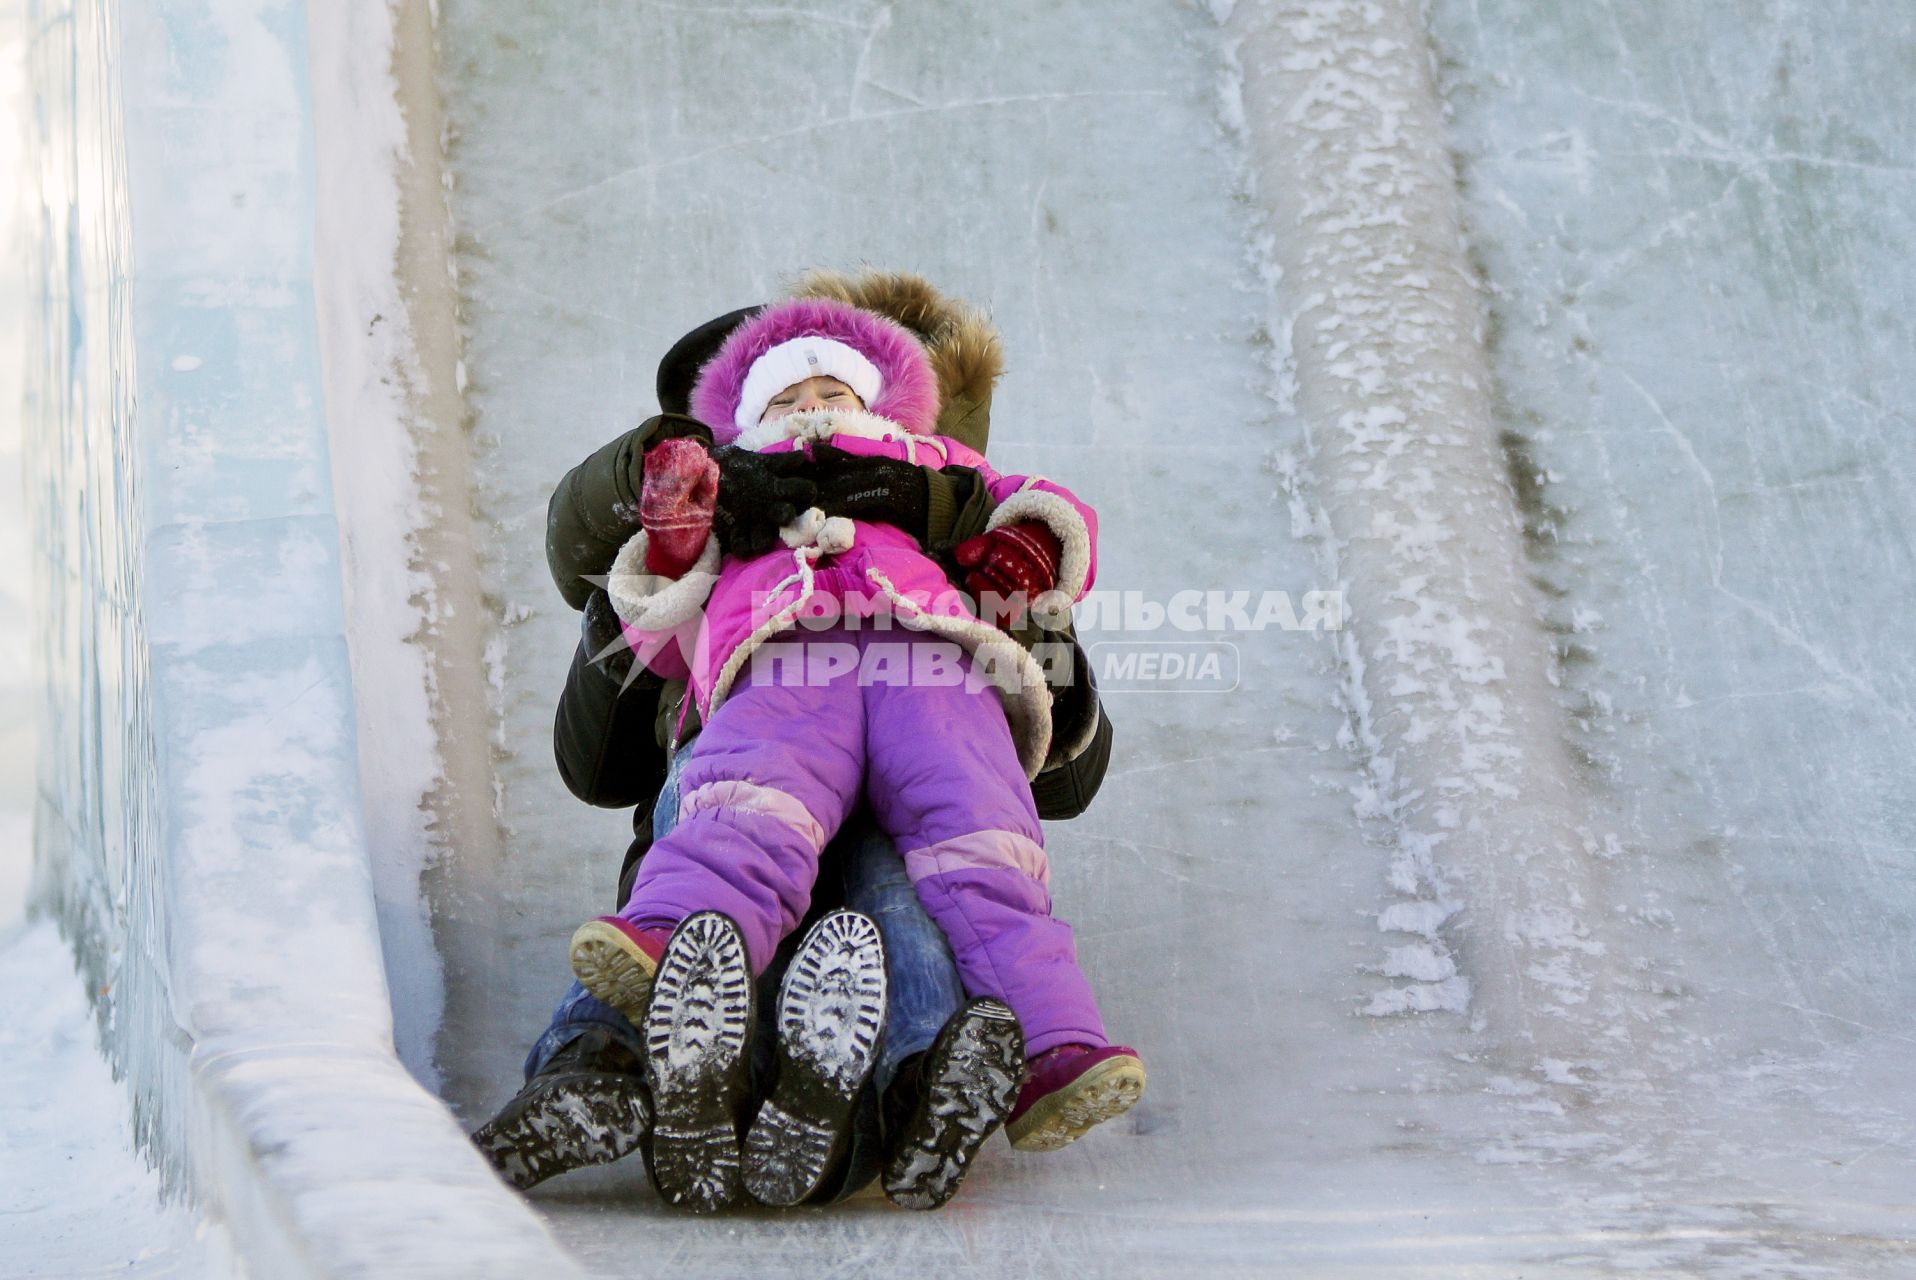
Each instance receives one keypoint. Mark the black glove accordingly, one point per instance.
(758, 494)
(881, 490)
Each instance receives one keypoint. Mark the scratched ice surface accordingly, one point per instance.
(1695, 235)
(1699, 228)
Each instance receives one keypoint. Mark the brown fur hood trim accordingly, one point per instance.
(965, 351)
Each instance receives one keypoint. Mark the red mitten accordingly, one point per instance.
(1016, 561)
(676, 503)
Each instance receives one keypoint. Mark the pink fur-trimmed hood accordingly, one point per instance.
(908, 394)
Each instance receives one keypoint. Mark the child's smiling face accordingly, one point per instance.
(813, 393)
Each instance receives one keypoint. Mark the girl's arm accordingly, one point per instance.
(595, 509)
(660, 615)
(1071, 520)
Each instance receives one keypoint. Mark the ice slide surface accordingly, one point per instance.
(1694, 229)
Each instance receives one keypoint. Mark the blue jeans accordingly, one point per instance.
(579, 1010)
(923, 979)
(922, 976)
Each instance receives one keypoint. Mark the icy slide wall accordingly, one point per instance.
(200, 835)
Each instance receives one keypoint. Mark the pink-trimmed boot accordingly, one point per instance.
(615, 960)
(1073, 1087)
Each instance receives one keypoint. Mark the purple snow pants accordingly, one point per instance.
(815, 716)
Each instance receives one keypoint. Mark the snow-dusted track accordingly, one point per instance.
(1370, 823)
(1555, 916)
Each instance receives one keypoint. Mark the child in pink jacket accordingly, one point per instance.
(846, 663)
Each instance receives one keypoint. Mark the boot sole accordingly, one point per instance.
(971, 1081)
(697, 1037)
(610, 965)
(1103, 1093)
(569, 1124)
(831, 1013)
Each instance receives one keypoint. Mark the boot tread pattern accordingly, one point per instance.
(832, 1003)
(612, 968)
(696, 1037)
(1103, 1093)
(831, 1013)
(566, 1127)
(971, 1084)
(785, 1157)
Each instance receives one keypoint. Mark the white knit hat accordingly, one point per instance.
(790, 363)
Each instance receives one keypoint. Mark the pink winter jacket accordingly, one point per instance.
(704, 625)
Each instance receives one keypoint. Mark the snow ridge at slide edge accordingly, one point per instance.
(1379, 324)
(202, 832)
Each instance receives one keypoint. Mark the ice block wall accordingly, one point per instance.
(96, 827)
(202, 839)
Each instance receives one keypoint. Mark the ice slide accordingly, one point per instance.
(1551, 916)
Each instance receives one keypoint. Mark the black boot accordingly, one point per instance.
(698, 1045)
(831, 1016)
(586, 1106)
(944, 1103)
